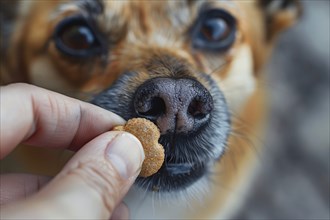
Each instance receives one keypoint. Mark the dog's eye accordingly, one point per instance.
(78, 37)
(74, 36)
(214, 30)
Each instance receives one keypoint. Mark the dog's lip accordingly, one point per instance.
(178, 168)
(175, 169)
(174, 176)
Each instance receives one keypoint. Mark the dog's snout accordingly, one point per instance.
(175, 105)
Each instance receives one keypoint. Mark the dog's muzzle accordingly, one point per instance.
(193, 120)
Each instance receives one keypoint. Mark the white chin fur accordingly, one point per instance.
(175, 205)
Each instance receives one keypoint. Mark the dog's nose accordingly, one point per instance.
(175, 105)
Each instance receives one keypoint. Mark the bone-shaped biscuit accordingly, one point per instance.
(148, 134)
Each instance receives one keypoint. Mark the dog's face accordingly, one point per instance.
(185, 65)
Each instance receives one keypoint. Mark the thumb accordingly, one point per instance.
(92, 184)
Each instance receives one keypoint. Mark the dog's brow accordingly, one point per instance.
(91, 6)
(196, 2)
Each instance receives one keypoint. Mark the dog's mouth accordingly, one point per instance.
(173, 177)
(186, 161)
(194, 124)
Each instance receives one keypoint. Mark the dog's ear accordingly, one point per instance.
(280, 14)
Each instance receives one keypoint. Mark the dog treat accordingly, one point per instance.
(148, 133)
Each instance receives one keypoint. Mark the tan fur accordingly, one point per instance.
(143, 32)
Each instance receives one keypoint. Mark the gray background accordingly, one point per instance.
(294, 180)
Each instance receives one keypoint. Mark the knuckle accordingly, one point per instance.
(100, 178)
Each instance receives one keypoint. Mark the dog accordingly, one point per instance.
(194, 68)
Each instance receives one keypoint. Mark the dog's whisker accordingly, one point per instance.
(153, 203)
(218, 68)
(241, 132)
(237, 89)
(220, 185)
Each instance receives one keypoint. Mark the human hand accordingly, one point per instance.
(93, 182)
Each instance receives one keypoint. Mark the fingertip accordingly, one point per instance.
(126, 154)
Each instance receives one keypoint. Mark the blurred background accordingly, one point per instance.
(294, 179)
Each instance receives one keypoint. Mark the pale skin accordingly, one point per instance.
(92, 184)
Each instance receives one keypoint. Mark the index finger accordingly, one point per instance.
(44, 118)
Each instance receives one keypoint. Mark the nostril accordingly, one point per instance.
(195, 109)
(199, 109)
(152, 108)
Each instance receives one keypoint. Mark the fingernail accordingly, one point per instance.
(126, 154)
